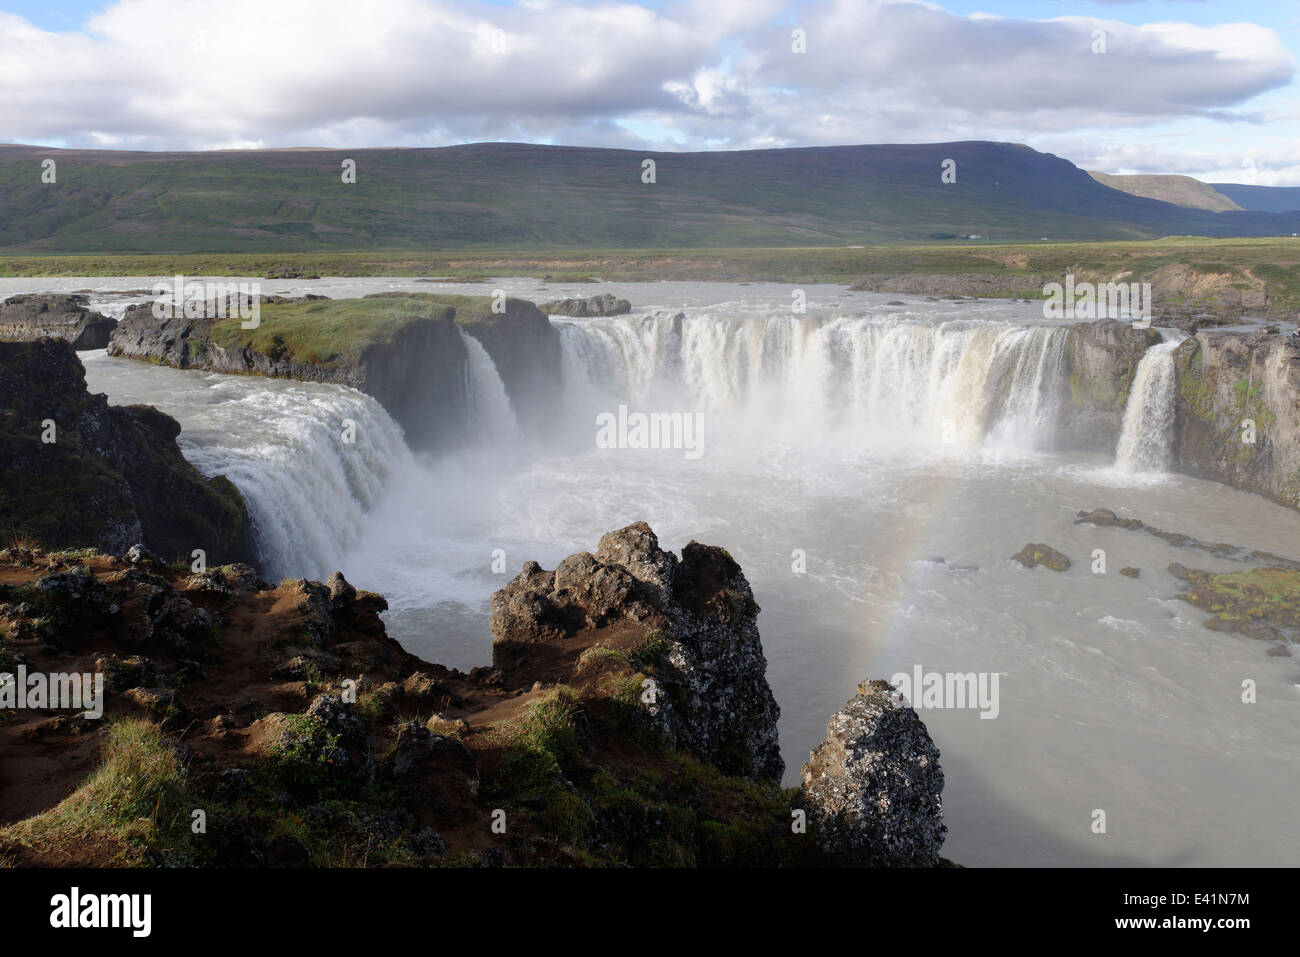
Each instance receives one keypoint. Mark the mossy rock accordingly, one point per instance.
(1036, 553)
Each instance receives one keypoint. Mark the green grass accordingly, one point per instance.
(337, 332)
(138, 797)
(545, 737)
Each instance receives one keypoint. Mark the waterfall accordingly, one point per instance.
(882, 380)
(491, 419)
(310, 463)
(1146, 439)
(853, 383)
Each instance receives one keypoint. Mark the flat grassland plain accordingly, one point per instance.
(1274, 262)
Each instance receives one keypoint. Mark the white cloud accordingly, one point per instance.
(163, 74)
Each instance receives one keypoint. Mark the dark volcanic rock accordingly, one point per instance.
(112, 477)
(715, 700)
(874, 787)
(27, 318)
(602, 305)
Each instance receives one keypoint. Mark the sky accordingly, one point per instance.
(1201, 87)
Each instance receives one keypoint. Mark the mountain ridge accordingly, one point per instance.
(539, 196)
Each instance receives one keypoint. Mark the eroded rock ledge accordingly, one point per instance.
(28, 318)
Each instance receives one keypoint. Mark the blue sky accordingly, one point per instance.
(1190, 86)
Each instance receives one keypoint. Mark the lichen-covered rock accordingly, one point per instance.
(873, 789)
(314, 607)
(713, 698)
(336, 716)
(307, 665)
(120, 674)
(71, 602)
(1036, 553)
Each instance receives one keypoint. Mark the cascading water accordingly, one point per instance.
(491, 419)
(309, 488)
(1146, 439)
(310, 460)
(888, 381)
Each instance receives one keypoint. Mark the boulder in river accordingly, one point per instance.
(1036, 553)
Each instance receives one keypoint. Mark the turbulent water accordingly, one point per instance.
(871, 468)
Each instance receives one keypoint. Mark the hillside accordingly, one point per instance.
(1179, 190)
(508, 195)
(1266, 199)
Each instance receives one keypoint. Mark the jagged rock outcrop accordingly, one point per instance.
(603, 305)
(76, 471)
(27, 318)
(1227, 381)
(1101, 359)
(713, 698)
(873, 789)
